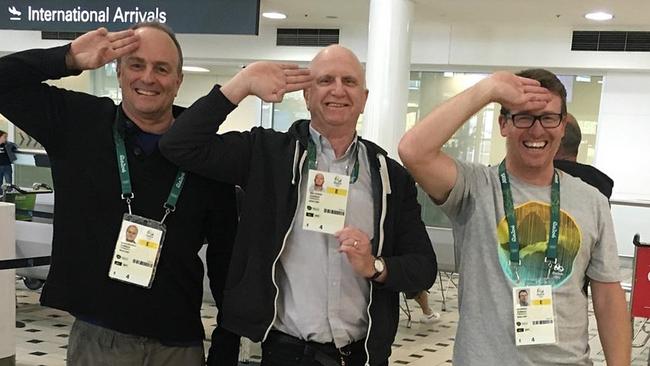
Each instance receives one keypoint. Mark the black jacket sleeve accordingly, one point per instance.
(412, 265)
(192, 142)
(220, 230)
(29, 103)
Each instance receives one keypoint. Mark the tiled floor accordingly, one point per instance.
(43, 339)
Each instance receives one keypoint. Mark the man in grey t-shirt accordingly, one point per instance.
(506, 221)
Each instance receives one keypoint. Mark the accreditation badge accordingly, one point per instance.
(137, 250)
(326, 201)
(533, 315)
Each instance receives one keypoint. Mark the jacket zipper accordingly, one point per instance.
(385, 189)
(284, 243)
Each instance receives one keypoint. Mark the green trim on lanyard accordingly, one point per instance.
(313, 160)
(508, 207)
(125, 176)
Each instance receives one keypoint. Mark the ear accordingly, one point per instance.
(365, 99)
(502, 125)
(178, 85)
(305, 94)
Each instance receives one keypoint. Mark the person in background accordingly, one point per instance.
(567, 155)
(7, 157)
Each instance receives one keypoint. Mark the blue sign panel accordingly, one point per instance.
(194, 16)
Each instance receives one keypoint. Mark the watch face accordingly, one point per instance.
(379, 265)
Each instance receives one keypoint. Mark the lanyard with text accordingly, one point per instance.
(513, 237)
(313, 160)
(125, 177)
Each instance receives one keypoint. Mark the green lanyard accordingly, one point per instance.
(125, 177)
(313, 160)
(513, 238)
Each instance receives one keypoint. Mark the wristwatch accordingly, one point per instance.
(380, 266)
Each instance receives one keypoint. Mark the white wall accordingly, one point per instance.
(623, 130)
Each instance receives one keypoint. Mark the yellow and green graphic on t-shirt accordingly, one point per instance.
(533, 221)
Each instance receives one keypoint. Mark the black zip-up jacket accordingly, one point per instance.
(267, 164)
(76, 130)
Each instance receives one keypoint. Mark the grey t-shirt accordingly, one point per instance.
(587, 246)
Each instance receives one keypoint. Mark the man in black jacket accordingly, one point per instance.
(120, 321)
(317, 289)
(567, 155)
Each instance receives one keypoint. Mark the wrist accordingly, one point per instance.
(378, 268)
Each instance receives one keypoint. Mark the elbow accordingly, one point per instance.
(407, 151)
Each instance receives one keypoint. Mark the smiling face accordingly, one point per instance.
(530, 151)
(150, 78)
(338, 94)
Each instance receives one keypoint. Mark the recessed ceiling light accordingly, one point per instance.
(274, 15)
(599, 15)
(195, 69)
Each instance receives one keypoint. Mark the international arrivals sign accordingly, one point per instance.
(190, 16)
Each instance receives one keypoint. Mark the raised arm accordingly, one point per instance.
(40, 109)
(192, 142)
(421, 148)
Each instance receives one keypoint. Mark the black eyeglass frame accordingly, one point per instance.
(535, 119)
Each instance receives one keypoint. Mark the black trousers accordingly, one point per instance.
(281, 349)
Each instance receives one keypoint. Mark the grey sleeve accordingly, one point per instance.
(603, 264)
(459, 196)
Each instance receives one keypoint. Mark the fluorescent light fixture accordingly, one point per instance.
(195, 69)
(274, 15)
(583, 79)
(413, 105)
(448, 74)
(599, 15)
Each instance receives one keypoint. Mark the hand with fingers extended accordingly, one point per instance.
(267, 80)
(356, 246)
(99, 47)
(516, 92)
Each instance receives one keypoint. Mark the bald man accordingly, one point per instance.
(567, 156)
(317, 285)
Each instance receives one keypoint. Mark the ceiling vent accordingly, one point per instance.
(68, 36)
(307, 37)
(611, 41)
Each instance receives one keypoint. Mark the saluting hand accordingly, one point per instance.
(518, 93)
(99, 47)
(267, 80)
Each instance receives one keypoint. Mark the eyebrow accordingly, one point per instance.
(141, 60)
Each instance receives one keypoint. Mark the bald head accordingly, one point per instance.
(338, 94)
(571, 141)
(338, 53)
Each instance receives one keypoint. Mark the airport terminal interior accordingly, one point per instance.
(452, 45)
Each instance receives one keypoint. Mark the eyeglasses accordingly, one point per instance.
(549, 120)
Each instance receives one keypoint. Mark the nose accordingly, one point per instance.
(536, 129)
(338, 88)
(148, 75)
